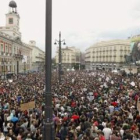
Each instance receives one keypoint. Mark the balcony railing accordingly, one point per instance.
(40, 57)
(18, 56)
(2, 53)
(7, 53)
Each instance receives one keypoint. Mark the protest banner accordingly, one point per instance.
(27, 106)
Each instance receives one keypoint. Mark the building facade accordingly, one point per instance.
(107, 54)
(12, 49)
(38, 57)
(70, 57)
(15, 55)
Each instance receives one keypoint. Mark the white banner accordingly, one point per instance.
(24, 60)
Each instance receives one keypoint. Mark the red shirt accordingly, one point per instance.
(95, 94)
(133, 127)
(73, 104)
(96, 123)
(114, 103)
(102, 138)
(136, 97)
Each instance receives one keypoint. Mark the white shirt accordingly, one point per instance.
(5, 128)
(121, 132)
(111, 108)
(107, 132)
(2, 137)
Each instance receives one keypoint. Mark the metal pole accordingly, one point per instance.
(59, 58)
(48, 123)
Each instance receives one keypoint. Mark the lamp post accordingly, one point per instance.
(60, 56)
(48, 133)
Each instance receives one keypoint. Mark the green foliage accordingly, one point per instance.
(135, 39)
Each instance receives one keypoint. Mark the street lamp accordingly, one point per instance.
(60, 57)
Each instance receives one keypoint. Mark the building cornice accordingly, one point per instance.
(36, 48)
(2, 35)
(109, 43)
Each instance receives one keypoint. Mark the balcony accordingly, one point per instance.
(114, 50)
(40, 57)
(87, 53)
(18, 56)
(87, 57)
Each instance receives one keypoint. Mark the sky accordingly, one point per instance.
(82, 22)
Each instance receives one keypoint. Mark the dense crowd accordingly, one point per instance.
(95, 105)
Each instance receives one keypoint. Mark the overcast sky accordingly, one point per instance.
(82, 22)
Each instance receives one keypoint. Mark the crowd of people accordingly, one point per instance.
(97, 105)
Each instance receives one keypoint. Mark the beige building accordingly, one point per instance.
(107, 54)
(15, 55)
(12, 53)
(12, 49)
(70, 57)
(38, 57)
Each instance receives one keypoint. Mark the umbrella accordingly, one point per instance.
(14, 119)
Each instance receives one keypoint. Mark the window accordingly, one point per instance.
(6, 49)
(1, 47)
(9, 49)
(10, 20)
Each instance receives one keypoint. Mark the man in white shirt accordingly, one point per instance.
(111, 108)
(107, 132)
